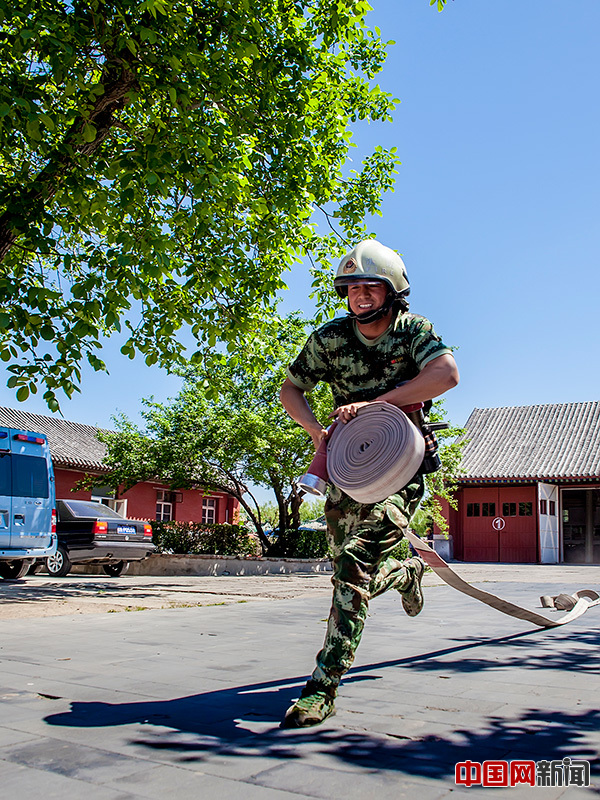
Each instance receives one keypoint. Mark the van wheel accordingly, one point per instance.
(114, 570)
(59, 564)
(13, 570)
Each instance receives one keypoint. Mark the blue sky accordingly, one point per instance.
(495, 208)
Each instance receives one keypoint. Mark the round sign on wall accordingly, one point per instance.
(498, 524)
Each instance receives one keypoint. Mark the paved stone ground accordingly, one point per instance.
(40, 595)
(186, 702)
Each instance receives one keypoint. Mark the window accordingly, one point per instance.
(120, 506)
(5, 475)
(106, 496)
(209, 510)
(509, 509)
(488, 509)
(164, 505)
(552, 510)
(525, 509)
(472, 509)
(30, 476)
(543, 507)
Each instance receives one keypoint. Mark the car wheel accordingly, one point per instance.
(13, 570)
(114, 570)
(35, 568)
(59, 564)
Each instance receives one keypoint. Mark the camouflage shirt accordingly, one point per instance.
(358, 368)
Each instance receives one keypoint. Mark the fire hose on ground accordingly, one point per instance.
(376, 454)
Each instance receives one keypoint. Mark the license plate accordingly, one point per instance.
(126, 529)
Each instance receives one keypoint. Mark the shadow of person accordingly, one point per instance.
(266, 701)
(243, 722)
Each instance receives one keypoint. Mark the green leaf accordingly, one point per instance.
(47, 332)
(89, 132)
(33, 129)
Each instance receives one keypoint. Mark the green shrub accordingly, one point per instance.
(313, 544)
(402, 551)
(196, 538)
(304, 544)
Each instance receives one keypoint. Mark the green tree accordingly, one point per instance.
(228, 438)
(161, 163)
(440, 485)
(312, 508)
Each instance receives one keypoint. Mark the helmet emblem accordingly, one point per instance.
(349, 266)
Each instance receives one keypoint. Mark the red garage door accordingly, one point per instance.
(500, 524)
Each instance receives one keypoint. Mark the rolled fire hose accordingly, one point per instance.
(375, 455)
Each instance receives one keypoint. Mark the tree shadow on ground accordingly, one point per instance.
(242, 722)
(39, 589)
(579, 651)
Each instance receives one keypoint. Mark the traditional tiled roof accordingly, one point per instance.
(558, 441)
(72, 445)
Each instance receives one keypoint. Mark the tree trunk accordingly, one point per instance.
(238, 492)
(283, 512)
(294, 502)
(262, 537)
(24, 208)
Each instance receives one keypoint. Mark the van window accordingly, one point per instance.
(5, 482)
(30, 476)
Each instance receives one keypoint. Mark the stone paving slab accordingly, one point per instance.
(187, 701)
(41, 595)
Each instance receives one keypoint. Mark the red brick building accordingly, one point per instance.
(529, 488)
(76, 451)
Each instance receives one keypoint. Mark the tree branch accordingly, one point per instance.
(117, 82)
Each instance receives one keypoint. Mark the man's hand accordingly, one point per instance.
(346, 413)
(317, 434)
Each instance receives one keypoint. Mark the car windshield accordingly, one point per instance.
(88, 508)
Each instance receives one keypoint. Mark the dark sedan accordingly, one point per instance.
(92, 533)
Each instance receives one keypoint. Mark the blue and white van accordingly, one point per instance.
(27, 501)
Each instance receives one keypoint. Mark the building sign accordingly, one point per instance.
(498, 524)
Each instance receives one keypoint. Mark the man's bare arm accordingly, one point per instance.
(295, 403)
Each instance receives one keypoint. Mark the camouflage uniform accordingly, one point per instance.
(362, 536)
(360, 369)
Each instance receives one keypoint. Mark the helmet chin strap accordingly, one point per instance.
(378, 313)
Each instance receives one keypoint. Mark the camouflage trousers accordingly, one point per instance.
(361, 538)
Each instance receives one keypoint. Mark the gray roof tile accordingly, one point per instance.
(559, 440)
(72, 445)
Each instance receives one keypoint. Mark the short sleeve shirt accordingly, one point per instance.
(358, 368)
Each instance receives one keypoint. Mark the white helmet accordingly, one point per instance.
(372, 261)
